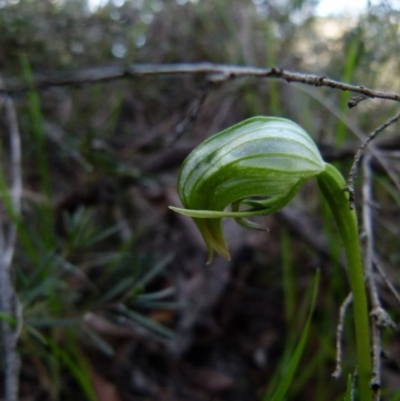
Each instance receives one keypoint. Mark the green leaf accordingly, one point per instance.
(349, 389)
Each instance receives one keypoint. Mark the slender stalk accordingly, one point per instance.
(332, 186)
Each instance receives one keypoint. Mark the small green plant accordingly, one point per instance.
(261, 163)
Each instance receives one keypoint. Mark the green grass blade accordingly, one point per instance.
(77, 366)
(153, 272)
(118, 290)
(98, 341)
(102, 235)
(149, 324)
(351, 64)
(156, 296)
(160, 305)
(349, 389)
(281, 391)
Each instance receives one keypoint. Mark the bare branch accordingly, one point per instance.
(380, 317)
(359, 153)
(339, 335)
(355, 100)
(215, 72)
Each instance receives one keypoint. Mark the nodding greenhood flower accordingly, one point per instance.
(259, 163)
(257, 167)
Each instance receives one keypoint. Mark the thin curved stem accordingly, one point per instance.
(332, 185)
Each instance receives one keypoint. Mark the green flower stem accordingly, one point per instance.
(332, 186)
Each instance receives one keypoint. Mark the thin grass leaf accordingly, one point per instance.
(98, 341)
(156, 296)
(97, 259)
(78, 367)
(154, 271)
(35, 334)
(82, 233)
(123, 251)
(280, 393)
(312, 368)
(349, 389)
(118, 264)
(149, 324)
(159, 305)
(101, 236)
(40, 289)
(296, 329)
(118, 290)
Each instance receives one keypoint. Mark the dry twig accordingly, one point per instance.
(339, 335)
(359, 153)
(215, 72)
(380, 317)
